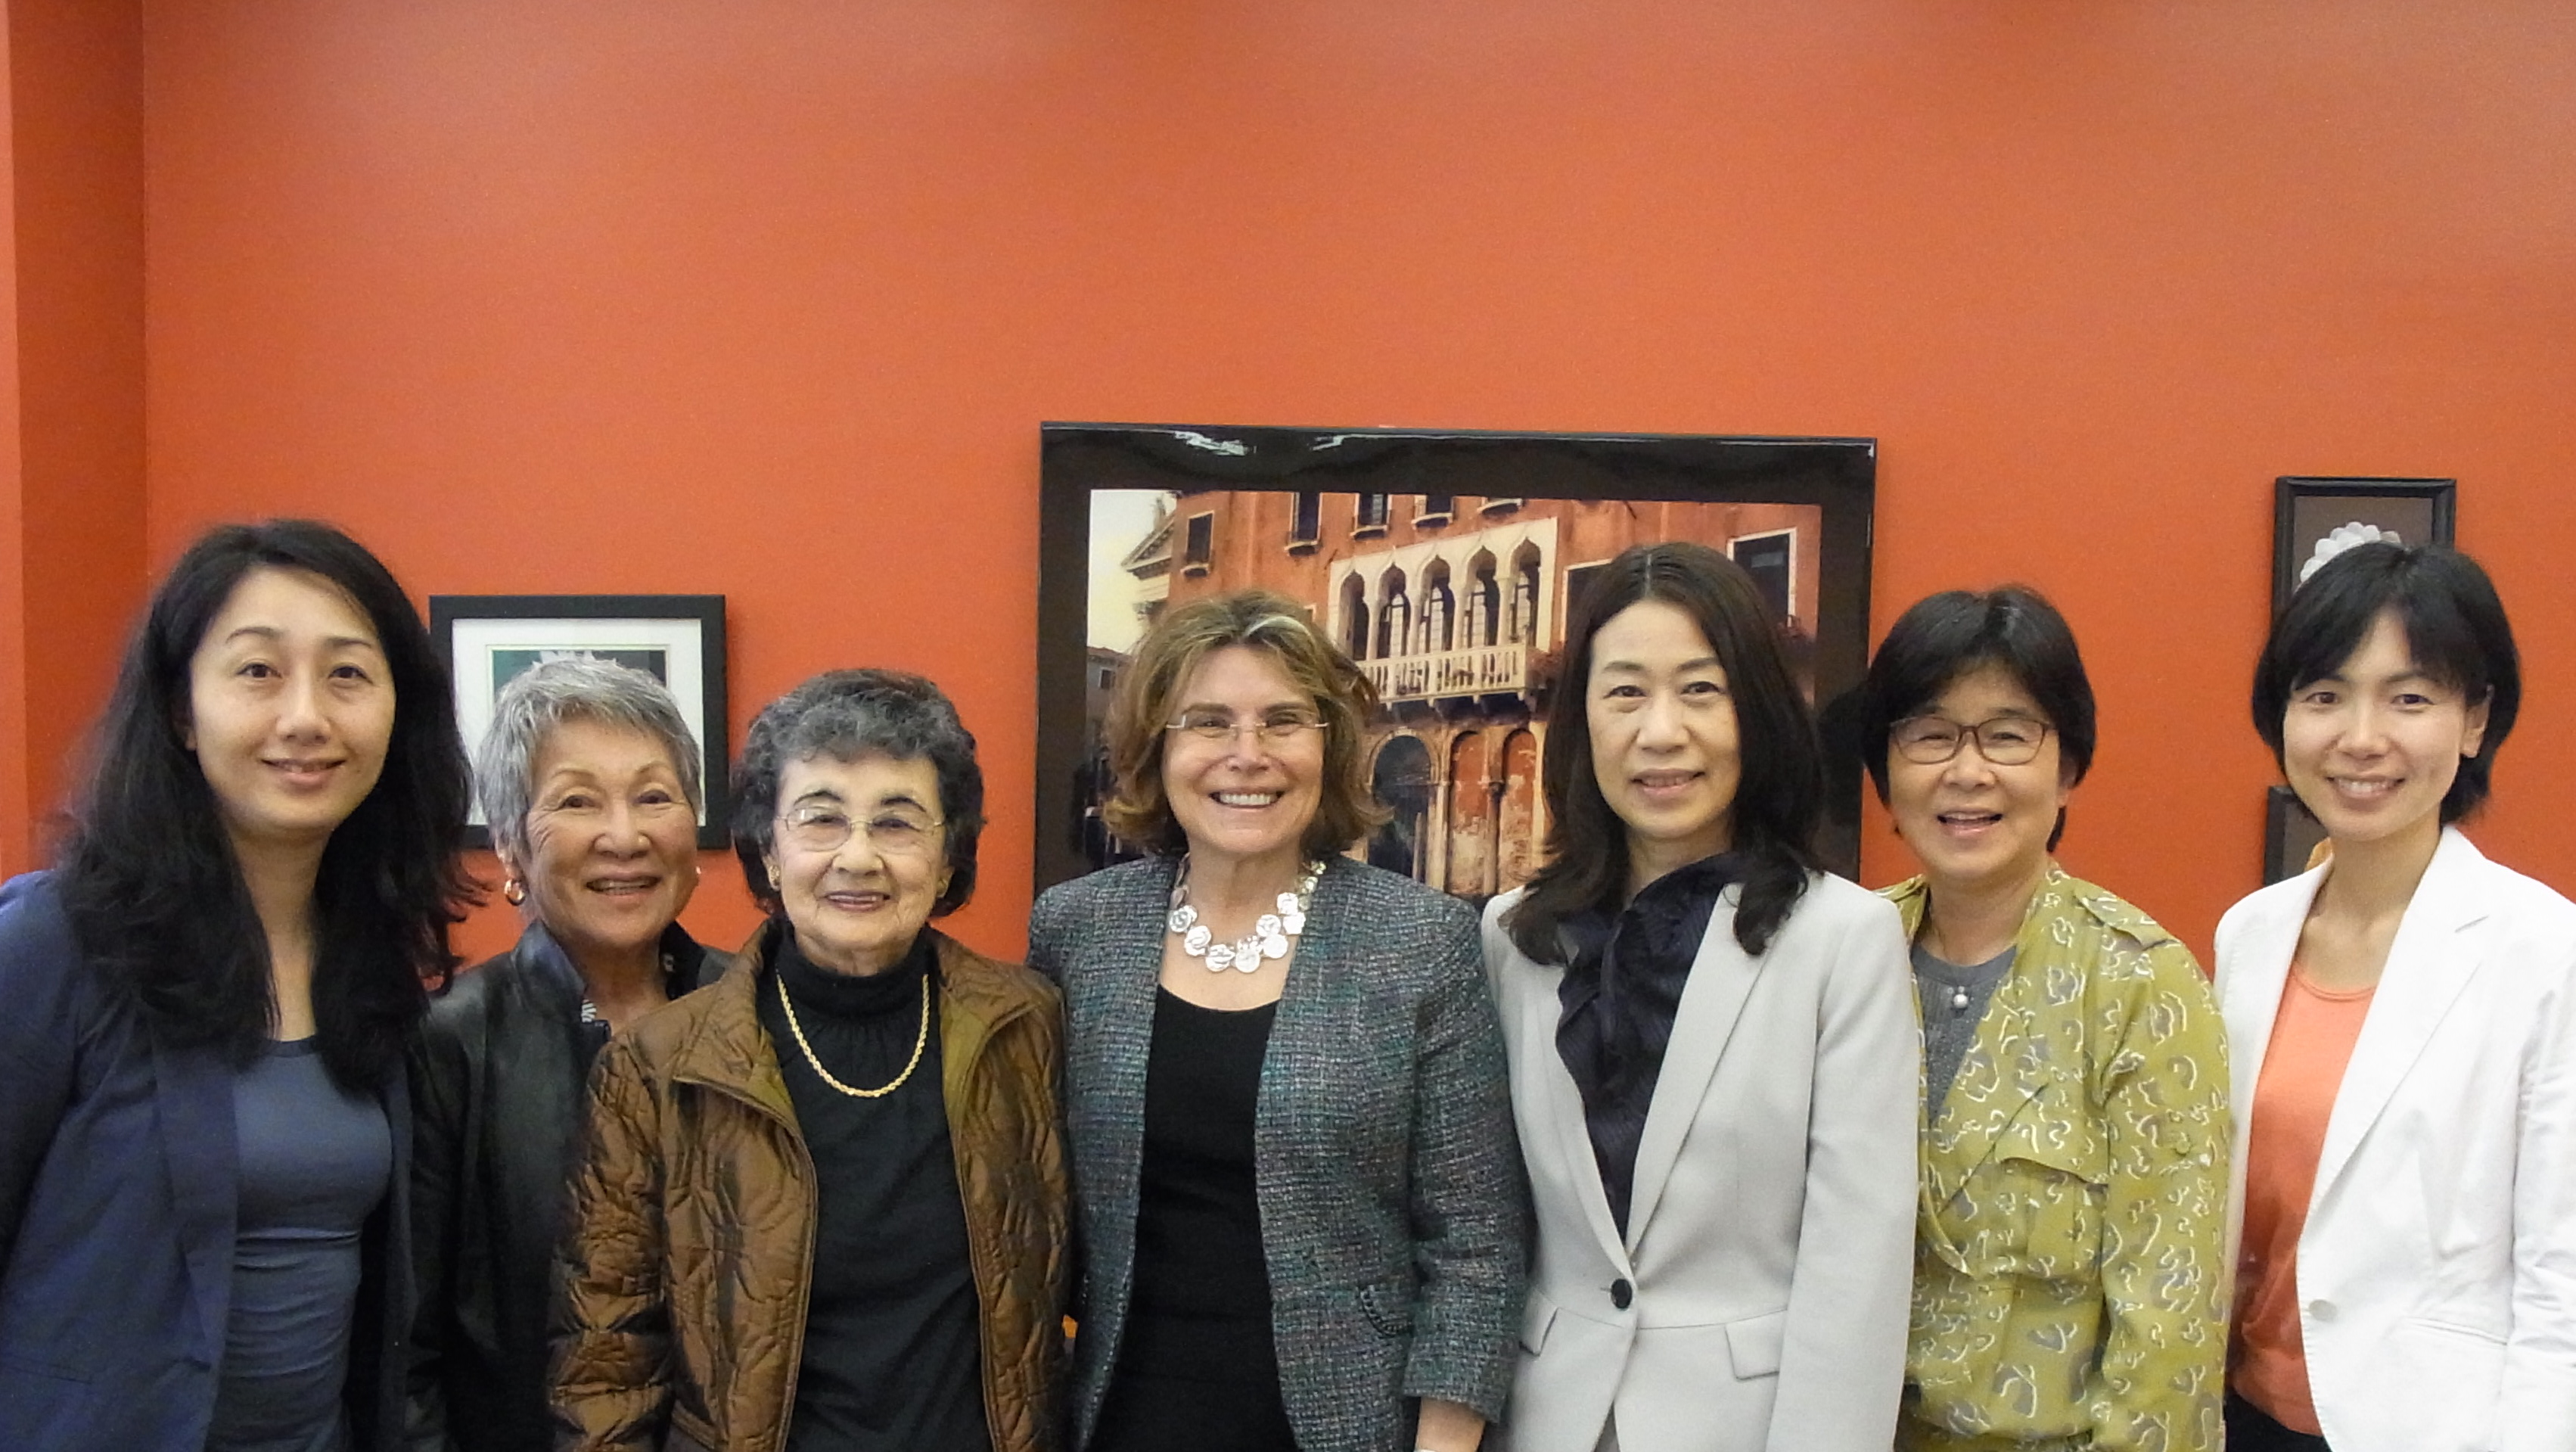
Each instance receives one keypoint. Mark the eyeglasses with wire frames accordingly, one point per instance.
(2001, 740)
(828, 827)
(1274, 728)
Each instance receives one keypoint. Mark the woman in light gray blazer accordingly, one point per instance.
(1713, 1052)
(1300, 1205)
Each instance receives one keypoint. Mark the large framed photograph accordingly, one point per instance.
(2309, 511)
(1447, 564)
(678, 640)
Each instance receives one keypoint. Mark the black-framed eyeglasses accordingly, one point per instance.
(1271, 728)
(2002, 741)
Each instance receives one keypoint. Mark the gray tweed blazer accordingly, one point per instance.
(1394, 1214)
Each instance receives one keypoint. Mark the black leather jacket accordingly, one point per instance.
(500, 1085)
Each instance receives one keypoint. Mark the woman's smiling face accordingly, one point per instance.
(1245, 798)
(1972, 823)
(857, 906)
(1664, 746)
(2373, 747)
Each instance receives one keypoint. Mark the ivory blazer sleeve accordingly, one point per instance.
(1758, 1301)
(1392, 1216)
(2437, 1267)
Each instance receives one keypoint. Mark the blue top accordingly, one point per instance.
(314, 1162)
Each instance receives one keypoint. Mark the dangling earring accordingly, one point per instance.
(515, 891)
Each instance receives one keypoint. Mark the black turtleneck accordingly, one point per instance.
(1617, 1002)
(892, 1356)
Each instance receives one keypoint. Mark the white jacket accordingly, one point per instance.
(2437, 1268)
(1758, 1300)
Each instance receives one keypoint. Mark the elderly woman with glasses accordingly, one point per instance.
(824, 1203)
(2070, 1281)
(589, 777)
(1300, 1199)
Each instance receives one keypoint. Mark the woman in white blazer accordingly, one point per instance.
(1713, 1051)
(2402, 1022)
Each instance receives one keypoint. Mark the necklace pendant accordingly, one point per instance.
(1183, 917)
(1220, 957)
(1195, 941)
(1958, 1000)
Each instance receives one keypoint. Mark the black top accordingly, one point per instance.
(1201, 1304)
(893, 1361)
(500, 1082)
(1616, 1004)
(315, 1160)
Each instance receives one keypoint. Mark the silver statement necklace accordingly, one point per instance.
(1268, 938)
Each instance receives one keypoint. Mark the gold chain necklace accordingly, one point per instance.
(919, 1042)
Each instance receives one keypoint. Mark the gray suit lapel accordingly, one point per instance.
(1560, 1106)
(1721, 978)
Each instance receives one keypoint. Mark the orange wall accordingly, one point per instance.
(768, 298)
(77, 544)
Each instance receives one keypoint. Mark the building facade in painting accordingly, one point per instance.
(1456, 607)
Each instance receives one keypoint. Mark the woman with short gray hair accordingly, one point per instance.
(825, 1201)
(591, 781)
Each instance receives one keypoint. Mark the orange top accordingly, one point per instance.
(2303, 1068)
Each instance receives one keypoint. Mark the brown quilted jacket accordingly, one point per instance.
(682, 1318)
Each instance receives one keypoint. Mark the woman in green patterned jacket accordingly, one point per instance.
(2069, 1282)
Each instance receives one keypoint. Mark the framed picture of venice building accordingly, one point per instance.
(1447, 564)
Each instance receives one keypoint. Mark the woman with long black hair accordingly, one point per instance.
(1713, 1051)
(203, 1118)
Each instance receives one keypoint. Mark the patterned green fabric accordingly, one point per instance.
(2069, 1276)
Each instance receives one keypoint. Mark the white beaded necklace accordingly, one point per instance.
(1268, 938)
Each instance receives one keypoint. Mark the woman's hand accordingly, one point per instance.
(1447, 1427)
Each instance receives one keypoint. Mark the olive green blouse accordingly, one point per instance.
(2069, 1276)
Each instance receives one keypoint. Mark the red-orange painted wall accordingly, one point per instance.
(768, 298)
(77, 543)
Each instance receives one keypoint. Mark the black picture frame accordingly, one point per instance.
(1449, 482)
(2306, 508)
(2290, 835)
(680, 639)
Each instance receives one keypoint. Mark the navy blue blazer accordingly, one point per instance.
(117, 1202)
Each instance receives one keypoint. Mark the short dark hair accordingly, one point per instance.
(1276, 627)
(1779, 797)
(845, 715)
(1943, 637)
(2456, 632)
(148, 877)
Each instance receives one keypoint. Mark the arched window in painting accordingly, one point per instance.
(1355, 617)
(1484, 602)
(1472, 804)
(1439, 608)
(1394, 615)
(1523, 625)
(1517, 841)
(1401, 781)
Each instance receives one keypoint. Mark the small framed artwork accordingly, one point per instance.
(1447, 564)
(2291, 836)
(678, 640)
(2309, 513)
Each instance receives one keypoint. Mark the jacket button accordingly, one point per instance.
(1621, 1293)
(2322, 1310)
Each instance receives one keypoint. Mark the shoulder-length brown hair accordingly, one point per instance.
(1150, 692)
